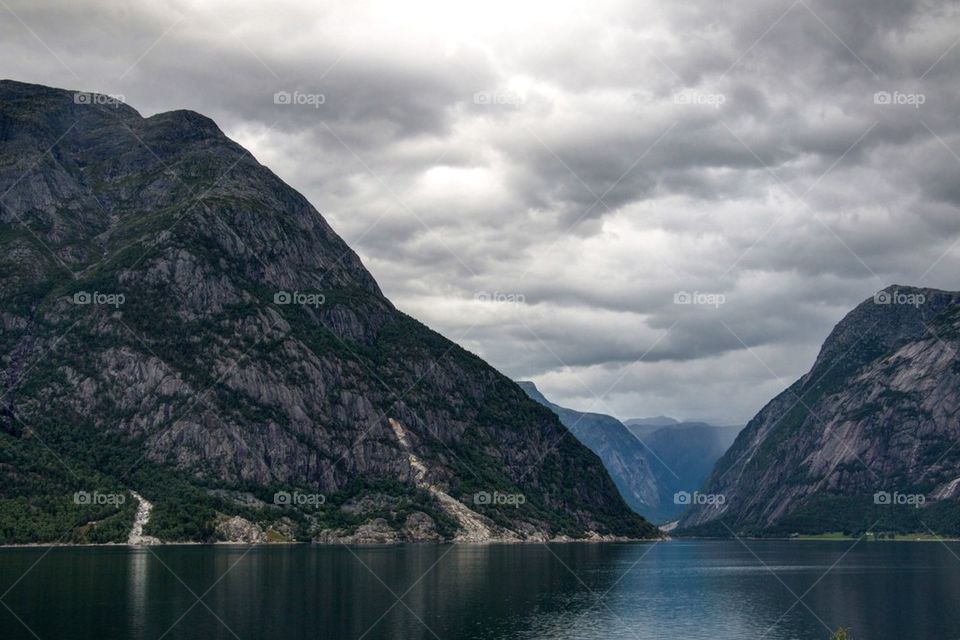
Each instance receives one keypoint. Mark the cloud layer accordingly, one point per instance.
(544, 181)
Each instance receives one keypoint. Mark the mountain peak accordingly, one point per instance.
(192, 121)
(180, 323)
(654, 421)
(869, 416)
(892, 315)
(531, 390)
(80, 201)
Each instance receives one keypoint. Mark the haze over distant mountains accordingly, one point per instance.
(649, 459)
(685, 453)
(623, 455)
(654, 421)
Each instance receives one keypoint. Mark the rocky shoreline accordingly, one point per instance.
(560, 540)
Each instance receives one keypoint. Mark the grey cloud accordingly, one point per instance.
(489, 193)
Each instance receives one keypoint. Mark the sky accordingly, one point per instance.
(645, 207)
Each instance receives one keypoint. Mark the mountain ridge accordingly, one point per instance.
(664, 458)
(214, 344)
(873, 416)
(623, 455)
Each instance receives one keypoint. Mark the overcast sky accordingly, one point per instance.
(538, 180)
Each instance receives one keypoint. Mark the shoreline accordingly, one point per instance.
(815, 538)
(81, 545)
(498, 542)
(67, 545)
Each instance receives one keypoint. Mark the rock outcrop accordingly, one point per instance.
(140, 519)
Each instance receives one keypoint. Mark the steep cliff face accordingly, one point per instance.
(622, 454)
(869, 438)
(177, 321)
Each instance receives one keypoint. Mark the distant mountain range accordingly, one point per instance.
(622, 454)
(684, 454)
(651, 460)
(869, 439)
(654, 422)
(179, 324)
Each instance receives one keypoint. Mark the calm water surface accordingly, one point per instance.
(691, 590)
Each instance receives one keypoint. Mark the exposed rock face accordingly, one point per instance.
(142, 517)
(175, 318)
(237, 529)
(418, 527)
(472, 527)
(877, 413)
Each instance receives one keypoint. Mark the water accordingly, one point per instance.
(690, 590)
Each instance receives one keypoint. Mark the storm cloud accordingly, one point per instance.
(544, 182)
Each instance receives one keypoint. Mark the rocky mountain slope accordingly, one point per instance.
(622, 454)
(178, 322)
(869, 439)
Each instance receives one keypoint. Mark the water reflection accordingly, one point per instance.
(694, 590)
(138, 566)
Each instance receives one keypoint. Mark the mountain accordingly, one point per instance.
(643, 427)
(683, 455)
(179, 324)
(622, 454)
(867, 440)
(654, 421)
(650, 460)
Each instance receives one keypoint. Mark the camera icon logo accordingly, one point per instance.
(482, 97)
(482, 497)
(282, 297)
(282, 498)
(882, 497)
(882, 97)
(82, 297)
(682, 297)
(882, 297)
(83, 497)
(282, 97)
(681, 497)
